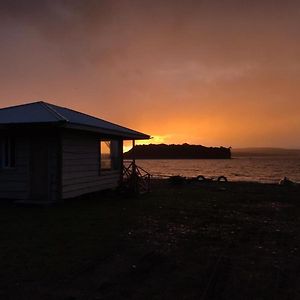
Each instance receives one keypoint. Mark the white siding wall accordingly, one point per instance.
(80, 166)
(14, 183)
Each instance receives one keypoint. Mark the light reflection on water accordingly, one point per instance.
(261, 169)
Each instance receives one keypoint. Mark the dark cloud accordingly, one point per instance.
(140, 32)
(237, 28)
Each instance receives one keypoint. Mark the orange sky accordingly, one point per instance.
(207, 72)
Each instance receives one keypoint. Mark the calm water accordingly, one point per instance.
(261, 169)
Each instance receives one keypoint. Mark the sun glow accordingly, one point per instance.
(156, 139)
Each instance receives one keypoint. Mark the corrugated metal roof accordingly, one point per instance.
(42, 113)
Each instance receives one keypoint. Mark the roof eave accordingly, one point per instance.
(30, 124)
(140, 137)
(125, 136)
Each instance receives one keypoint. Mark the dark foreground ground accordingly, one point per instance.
(196, 241)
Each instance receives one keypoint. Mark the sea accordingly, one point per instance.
(266, 169)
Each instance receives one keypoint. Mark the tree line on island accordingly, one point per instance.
(184, 151)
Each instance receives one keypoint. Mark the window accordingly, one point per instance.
(105, 155)
(109, 155)
(8, 155)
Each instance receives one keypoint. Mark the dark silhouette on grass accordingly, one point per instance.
(184, 151)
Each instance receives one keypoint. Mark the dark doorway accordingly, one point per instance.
(39, 169)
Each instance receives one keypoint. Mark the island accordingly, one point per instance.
(184, 151)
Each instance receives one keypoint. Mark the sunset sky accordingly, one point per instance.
(205, 72)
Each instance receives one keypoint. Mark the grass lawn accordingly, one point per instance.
(194, 241)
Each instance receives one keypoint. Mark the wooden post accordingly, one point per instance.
(133, 150)
(121, 162)
(134, 173)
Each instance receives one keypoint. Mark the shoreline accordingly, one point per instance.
(167, 177)
(266, 170)
(162, 183)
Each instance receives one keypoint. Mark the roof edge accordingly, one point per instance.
(23, 104)
(134, 135)
(90, 116)
(54, 112)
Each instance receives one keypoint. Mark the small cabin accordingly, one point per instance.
(49, 153)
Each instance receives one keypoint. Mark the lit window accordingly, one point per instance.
(110, 158)
(105, 155)
(8, 157)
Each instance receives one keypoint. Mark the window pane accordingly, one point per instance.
(105, 150)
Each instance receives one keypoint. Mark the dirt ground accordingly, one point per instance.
(186, 241)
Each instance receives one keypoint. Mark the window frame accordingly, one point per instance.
(8, 153)
(114, 155)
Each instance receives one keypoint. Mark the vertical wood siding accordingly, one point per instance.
(80, 166)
